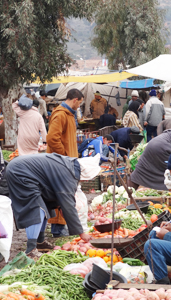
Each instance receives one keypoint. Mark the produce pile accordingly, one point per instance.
(81, 247)
(100, 211)
(134, 294)
(13, 154)
(20, 292)
(48, 271)
(147, 192)
(135, 157)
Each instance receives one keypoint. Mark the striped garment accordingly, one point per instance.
(130, 119)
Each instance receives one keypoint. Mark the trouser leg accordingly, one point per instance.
(155, 131)
(149, 132)
(33, 232)
(105, 150)
(158, 255)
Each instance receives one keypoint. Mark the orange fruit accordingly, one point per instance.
(153, 218)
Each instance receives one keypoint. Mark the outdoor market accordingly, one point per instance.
(89, 184)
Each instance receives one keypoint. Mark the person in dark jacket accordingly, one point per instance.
(40, 183)
(121, 136)
(107, 120)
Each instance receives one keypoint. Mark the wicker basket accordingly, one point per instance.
(87, 185)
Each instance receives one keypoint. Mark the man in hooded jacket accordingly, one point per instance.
(61, 139)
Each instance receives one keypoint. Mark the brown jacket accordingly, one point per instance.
(98, 107)
(61, 138)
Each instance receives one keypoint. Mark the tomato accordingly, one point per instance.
(153, 218)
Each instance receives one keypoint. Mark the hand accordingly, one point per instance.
(145, 123)
(125, 156)
(162, 224)
(85, 237)
(111, 160)
(161, 233)
(168, 227)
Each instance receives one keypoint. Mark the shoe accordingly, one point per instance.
(164, 280)
(34, 254)
(45, 246)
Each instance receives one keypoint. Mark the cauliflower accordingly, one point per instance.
(97, 200)
(105, 193)
(110, 189)
(125, 195)
(121, 190)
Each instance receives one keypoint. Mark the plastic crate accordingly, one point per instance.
(107, 179)
(136, 248)
(87, 185)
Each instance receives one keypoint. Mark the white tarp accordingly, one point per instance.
(158, 68)
(108, 92)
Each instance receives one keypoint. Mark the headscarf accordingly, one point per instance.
(134, 107)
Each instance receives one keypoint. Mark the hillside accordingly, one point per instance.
(80, 44)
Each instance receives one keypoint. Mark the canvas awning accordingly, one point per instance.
(103, 78)
(138, 84)
(158, 68)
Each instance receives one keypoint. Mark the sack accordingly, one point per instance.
(84, 145)
(6, 217)
(19, 261)
(25, 103)
(82, 207)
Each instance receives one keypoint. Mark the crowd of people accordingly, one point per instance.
(42, 186)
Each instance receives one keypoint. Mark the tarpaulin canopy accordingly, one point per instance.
(158, 68)
(112, 77)
(137, 84)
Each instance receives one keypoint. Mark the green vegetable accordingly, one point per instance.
(47, 272)
(60, 258)
(133, 261)
(6, 154)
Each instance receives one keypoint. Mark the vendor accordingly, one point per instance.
(122, 137)
(42, 182)
(98, 107)
(158, 248)
(131, 117)
(99, 145)
(151, 165)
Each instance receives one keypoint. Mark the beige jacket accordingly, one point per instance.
(30, 123)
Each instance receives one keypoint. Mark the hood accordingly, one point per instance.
(61, 108)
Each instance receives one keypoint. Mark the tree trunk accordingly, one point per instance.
(10, 119)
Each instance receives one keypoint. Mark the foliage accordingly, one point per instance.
(33, 38)
(129, 32)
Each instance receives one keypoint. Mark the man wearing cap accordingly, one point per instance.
(155, 113)
(134, 96)
(98, 107)
(122, 137)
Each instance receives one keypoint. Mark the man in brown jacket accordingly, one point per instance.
(61, 138)
(97, 108)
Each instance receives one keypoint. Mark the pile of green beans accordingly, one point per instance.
(63, 285)
(60, 258)
(48, 271)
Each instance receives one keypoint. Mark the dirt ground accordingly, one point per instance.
(19, 240)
